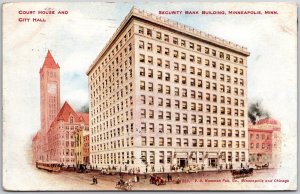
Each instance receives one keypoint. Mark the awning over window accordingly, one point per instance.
(212, 155)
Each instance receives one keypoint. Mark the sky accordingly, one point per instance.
(76, 39)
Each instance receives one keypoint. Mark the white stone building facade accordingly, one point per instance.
(164, 95)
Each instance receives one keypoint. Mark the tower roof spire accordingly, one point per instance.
(50, 62)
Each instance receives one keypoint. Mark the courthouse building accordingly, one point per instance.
(165, 95)
(55, 140)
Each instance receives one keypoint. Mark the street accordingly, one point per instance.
(192, 181)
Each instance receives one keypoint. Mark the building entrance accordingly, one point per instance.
(212, 162)
(182, 162)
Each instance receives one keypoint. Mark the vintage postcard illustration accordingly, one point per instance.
(128, 96)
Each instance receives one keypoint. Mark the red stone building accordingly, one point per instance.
(61, 135)
(264, 142)
(55, 140)
(49, 104)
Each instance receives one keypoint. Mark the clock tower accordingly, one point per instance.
(49, 91)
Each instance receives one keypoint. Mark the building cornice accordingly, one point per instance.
(175, 26)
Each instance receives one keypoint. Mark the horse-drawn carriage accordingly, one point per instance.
(124, 185)
(157, 180)
(244, 172)
(260, 166)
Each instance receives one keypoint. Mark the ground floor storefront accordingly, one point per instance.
(170, 160)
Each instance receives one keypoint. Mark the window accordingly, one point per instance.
(159, 75)
(199, 61)
(167, 64)
(160, 102)
(175, 54)
(152, 157)
(161, 157)
(151, 114)
(161, 141)
(176, 66)
(200, 131)
(183, 43)
(191, 45)
(159, 62)
(214, 53)
(208, 143)
(158, 49)
(144, 157)
(178, 142)
(141, 44)
(235, 59)
(150, 73)
(192, 70)
(149, 47)
(206, 62)
(241, 61)
(201, 143)
(185, 142)
(166, 38)
(144, 141)
(215, 143)
(175, 41)
(183, 56)
(221, 55)
(169, 141)
(192, 58)
(151, 141)
(208, 131)
(198, 47)
(206, 50)
(149, 32)
(167, 51)
(158, 35)
(141, 30)
(143, 99)
(150, 60)
(143, 113)
(229, 144)
(150, 86)
(228, 57)
(142, 85)
(142, 58)
(160, 88)
(168, 89)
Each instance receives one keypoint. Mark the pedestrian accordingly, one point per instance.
(168, 177)
(95, 180)
(137, 178)
(241, 165)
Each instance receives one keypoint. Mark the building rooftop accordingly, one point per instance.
(49, 62)
(66, 111)
(134, 12)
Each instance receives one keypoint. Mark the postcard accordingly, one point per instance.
(148, 96)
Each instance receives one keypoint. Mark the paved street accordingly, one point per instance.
(193, 181)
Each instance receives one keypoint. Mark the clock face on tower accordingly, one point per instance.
(52, 88)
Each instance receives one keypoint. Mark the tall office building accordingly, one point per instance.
(164, 95)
